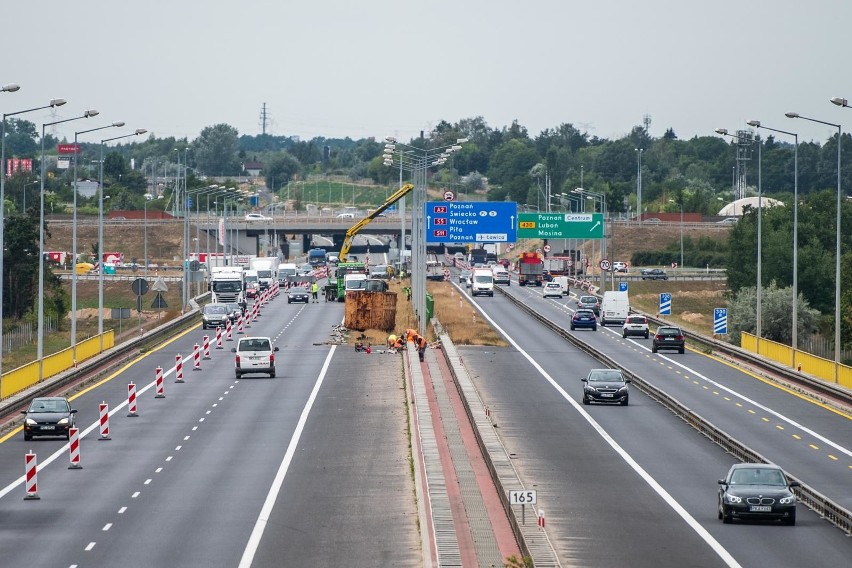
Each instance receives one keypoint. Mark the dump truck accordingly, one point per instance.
(530, 269)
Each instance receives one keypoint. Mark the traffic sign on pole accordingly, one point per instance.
(560, 226)
(665, 304)
(720, 321)
(471, 221)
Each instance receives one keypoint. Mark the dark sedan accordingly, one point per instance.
(757, 491)
(214, 315)
(589, 303)
(668, 337)
(48, 416)
(298, 295)
(606, 385)
(584, 318)
(654, 274)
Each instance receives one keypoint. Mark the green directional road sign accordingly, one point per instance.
(560, 226)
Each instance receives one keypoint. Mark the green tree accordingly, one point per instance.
(510, 167)
(282, 168)
(776, 316)
(215, 150)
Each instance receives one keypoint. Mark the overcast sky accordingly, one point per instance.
(339, 68)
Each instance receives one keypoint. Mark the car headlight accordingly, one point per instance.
(591, 389)
(624, 388)
(31, 422)
(733, 499)
(63, 421)
(787, 500)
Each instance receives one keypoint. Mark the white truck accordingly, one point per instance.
(615, 307)
(285, 271)
(227, 285)
(267, 270)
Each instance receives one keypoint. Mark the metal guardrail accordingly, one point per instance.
(120, 352)
(822, 505)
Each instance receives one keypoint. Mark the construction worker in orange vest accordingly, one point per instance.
(410, 334)
(421, 343)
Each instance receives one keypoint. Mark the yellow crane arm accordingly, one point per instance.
(353, 230)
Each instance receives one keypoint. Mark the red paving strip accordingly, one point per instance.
(497, 515)
(467, 549)
(417, 451)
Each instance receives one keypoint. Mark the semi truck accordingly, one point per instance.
(317, 256)
(267, 270)
(530, 269)
(227, 285)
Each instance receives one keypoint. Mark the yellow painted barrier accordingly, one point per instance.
(26, 376)
(805, 362)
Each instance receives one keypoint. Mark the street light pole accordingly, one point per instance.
(40, 341)
(74, 243)
(837, 239)
(795, 330)
(53, 103)
(137, 132)
(639, 185)
(681, 230)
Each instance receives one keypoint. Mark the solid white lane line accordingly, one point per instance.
(269, 503)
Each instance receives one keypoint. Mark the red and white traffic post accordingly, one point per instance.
(158, 379)
(240, 325)
(74, 448)
(196, 358)
(228, 329)
(541, 518)
(131, 400)
(219, 337)
(103, 409)
(179, 369)
(206, 339)
(31, 473)
(256, 311)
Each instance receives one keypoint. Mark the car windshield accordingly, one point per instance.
(233, 307)
(636, 319)
(605, 375)
(668, 331)
(757, 476)
(215, 309)
(49, 406)
(588, 300)
(483, 278)
(254, 345)
(298, 291)
(584, 314)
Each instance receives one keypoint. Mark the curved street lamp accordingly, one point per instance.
(101, 198)
(40, 344)
(795, 330)
(840, 102)
(74, 245)
(53, 103)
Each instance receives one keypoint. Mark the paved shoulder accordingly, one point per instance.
(348, 498)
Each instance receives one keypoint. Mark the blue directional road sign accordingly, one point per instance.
(622, 286)
(720, 321)
(471, 221)
(665, 304)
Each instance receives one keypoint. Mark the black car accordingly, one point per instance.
(668, 337)
(606, 385)
(757, 491)
(235, 310)
(214, 315)
(589, 303)
(298, 295)
(654, 274)
(48, 416)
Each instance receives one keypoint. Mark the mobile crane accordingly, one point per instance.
(353, 230)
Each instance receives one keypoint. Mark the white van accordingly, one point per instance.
(563, 283)
(615, 307)
(501, 275)
(482, 282)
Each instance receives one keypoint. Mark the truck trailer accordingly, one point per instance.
(530, 269)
